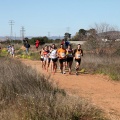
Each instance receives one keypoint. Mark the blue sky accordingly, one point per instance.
(42, 16)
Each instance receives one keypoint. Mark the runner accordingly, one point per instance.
(46, 57)
(41, 57)
(53, 56)
(62, 58)
(69, 54)
(49, 57)
(78, 53)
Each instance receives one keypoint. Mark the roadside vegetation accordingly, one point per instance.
(27, 95)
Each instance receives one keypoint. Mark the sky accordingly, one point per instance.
(55, 17)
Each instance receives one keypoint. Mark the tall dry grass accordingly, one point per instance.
(105, 64)
(27, 95)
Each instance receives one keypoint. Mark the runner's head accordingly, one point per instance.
(69, 46)
(61, 46)
(49, 47)
(79, 46)
(53, 46)
(46, 47)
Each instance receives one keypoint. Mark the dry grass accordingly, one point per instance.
(27, 95)
(105, 64)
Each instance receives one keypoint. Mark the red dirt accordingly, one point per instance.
(98, 89)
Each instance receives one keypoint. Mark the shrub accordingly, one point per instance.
(27, 95)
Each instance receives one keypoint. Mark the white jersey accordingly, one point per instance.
(53, 54)
(12, 50)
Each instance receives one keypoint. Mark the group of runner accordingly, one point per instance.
(50, 55)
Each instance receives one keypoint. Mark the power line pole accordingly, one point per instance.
(22, 32)
(68, 29)
(11, 23)
(48, 35)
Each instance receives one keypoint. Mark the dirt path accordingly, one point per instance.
(98, 89)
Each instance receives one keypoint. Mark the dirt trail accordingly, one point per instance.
(98, 89)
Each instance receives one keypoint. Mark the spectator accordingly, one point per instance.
(63, 42)
(37, 43)
(13, 51)
(66, 44)
(27, 46)
(9, 49)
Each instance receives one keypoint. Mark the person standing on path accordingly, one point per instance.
(77, 56)
(9, 49)
(27, 46)
(13, 51)
(37, 43)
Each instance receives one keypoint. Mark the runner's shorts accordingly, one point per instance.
(78, 60)
(69, 59)
(62, 60)
(41, 59)
(54, 59)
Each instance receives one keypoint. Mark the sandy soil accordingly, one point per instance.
(98, 89)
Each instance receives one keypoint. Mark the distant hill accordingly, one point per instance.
(3, 38)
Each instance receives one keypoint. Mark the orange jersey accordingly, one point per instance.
(61, 53)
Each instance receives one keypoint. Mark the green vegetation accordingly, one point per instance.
(27, 95)
(3, 52)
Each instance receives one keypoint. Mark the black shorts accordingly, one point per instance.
(78, 60)
(54, 59)
(41, 59)
(69, 59)
(62, 60)
(49, 59)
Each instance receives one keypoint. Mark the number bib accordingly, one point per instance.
(78, 55)
(70, 55)
(62, 54)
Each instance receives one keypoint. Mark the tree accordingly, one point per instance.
(82, 32)
(67, 36)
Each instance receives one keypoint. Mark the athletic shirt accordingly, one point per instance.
(53, 53)
(46, 53)
(62, 53)
(69, 53)
(78, 53)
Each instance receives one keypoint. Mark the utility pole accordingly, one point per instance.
(15, 36)
(11, 23)
(48, 35)
(68, 29)
(22, 32)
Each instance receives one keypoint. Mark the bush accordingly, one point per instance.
(27, 95)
